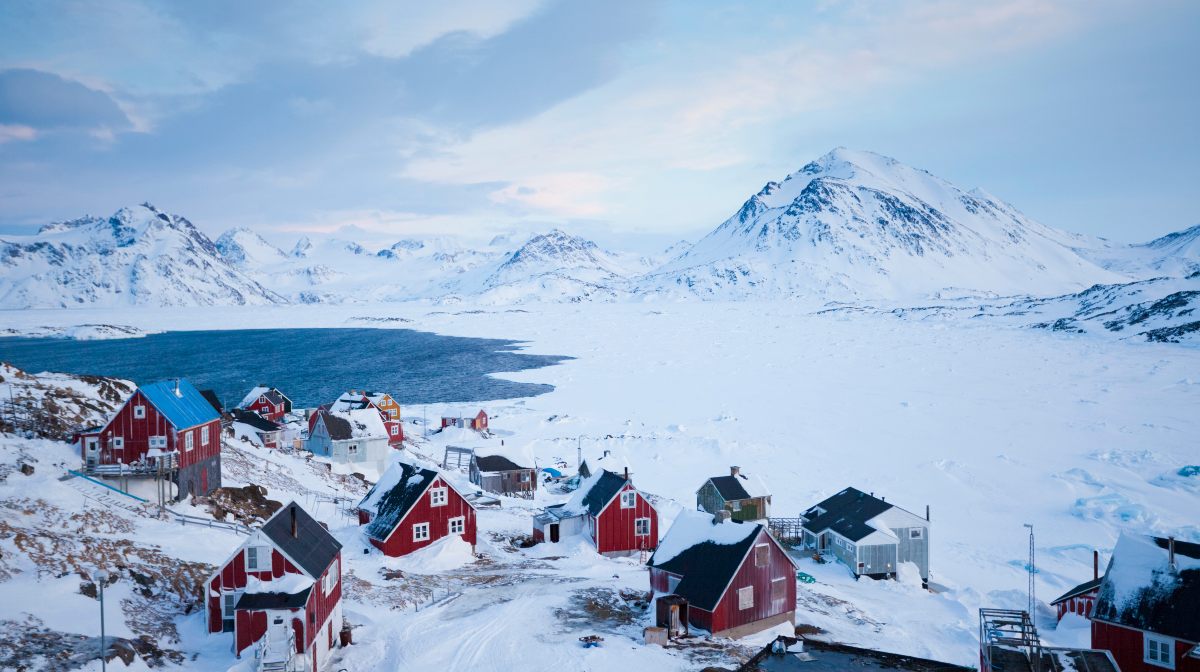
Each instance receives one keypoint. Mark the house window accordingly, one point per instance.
(394, 413)
(118, 443)
(331, 577)
(628, 499)
(778, 589)
(204, 435)
(762, 555)
(139, 411)
(458, 525)
(746, 597)
(421, 532)
(735, 505)
(916, 533)
(395, 429)
(158, 442)
(641, 527)
(1160, 651)
(188, 440)
(524, 476)
(437, 497)
(229, 601)
(352, 448)
(258, 558)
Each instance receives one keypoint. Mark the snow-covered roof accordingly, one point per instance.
(1141, 591)
(740, 486)
(593, 494)
(252, 395)
(355, 424)
(607, 460)
(696, 527)
(521, 456)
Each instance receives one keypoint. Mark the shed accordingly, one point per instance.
(608, 510)
(504, 471)
(744, 497)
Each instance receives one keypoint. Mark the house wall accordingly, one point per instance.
(914, 550)
(727, 615)
(266, 409)
(199, 478)
(1080, 604)
(877, 559)
(615, 526)
(400, 541)
(318, 442)
(709, 499)
(321, 607)
(370, 449)
(504, 482)
(137, 432)
(845, 556)
(1129, 649)
(232, 577)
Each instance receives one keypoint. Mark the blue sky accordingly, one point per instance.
(645, 120)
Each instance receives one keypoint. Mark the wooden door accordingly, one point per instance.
(554, 533)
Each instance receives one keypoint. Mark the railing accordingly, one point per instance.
(105, 485)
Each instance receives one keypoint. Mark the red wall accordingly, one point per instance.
(232, 576)
(1129, 651)
(320, 606)
(400, 542)
(397, 438)
(615, 526)
(266, 409)
(137, 433)
(1080, 604)
(727, 615)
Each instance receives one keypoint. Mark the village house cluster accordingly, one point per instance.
(727, 568)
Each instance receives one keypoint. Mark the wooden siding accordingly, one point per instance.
(877, 559)
(400, 541)
(1128, 649)
(136, 433)
(232, 577)
(1080, 604)
(727, 615)
(912, 550)
(614, 527)
(708, 499)
(266, 409)
(505, 482)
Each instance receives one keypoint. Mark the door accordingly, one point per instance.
(92, 452)
(554, 533)
(204, 481)
(676, 629)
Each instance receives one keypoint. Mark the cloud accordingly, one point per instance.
(16, 132)
(45, 101)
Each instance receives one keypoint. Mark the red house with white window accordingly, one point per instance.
(736, 578)
(165, 428)
(388, 409)
(1080, 599)
(268, 402)
(1147, 612)
(608, 510)
(281, 590)
(410, 508)
(478, 423)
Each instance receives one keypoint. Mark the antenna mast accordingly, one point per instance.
(1032, 568)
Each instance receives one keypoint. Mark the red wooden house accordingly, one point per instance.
(268, 402)
(411, 508)
(1081, 598)
(388, 409)
(163, 428)
(1147, 613)
(288, 573)
(736, 578)
(606, 509)
(478, 423)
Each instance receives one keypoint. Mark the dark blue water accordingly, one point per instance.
(312, 366)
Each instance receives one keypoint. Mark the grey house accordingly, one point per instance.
(867, 534)
(746, 498)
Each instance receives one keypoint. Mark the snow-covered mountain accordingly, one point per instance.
(138, 256)
(246, 249)
(858, 225)
(1175, 255)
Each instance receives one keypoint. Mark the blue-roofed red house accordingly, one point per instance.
(165, 429)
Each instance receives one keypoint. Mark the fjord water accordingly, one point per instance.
(312, 366)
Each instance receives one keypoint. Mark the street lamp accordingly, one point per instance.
(101, 577)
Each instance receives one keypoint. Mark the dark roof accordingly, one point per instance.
(254, 420)
(273, 600)
(603, 489)
(1167, 605)
(729, 487)
(496, 463)
(339, 428)
(274, 396)
(212, 398)
(846, 513)
(707, 568)
(1079, 590)
(180, 402)
(313, 547)
(400, 491)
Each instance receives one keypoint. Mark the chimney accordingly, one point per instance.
(927, 513)
(177, 392)
(735, 471)
(292, 509)
(1171, 553)
(1095, 564)
(607, 453)
(627, 477)
(720, 517)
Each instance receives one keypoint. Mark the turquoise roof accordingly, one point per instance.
(186, 409)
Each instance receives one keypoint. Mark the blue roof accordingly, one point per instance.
(186, 409)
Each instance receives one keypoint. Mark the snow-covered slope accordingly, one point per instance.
(138, 256)
(247, 250)
(54, 405)
(1175, 254)
(855, 225)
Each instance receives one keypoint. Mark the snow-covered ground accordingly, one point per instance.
(991, 426)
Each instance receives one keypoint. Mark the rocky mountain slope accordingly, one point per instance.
(138, 256)
(54, 405)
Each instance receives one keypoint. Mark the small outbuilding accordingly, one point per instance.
(478, 422)
(606, 509)
(504, 471)
(744, 497)
(250, 424)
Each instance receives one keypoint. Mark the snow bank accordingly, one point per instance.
(442, 555)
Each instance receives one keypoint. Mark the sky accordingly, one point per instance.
(646, 121)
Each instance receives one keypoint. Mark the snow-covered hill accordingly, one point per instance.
(1174, 255)
(247, 250)
(857, 225)
(55, 405)
(138, 256)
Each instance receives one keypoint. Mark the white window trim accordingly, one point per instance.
(158, 441)
(204, 435)
(916, 533)
(1166, 644)
(745, 598)
(258, 560)
(188, 441)
(118, 443)
(139, 412)
(439, 496)
(637, 522)
(461, 520)
(227, 605)
(780, 581)
(418, 529)
(394, 429)
(631, 496)
(735, 505)
(331, 577)
(768, 555)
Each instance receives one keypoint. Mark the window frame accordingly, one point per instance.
(637, 523)
(916, 533)
(735, 505)
(417, 528)
(331, 577)
(745, 597)
(139, 412)
(632, 497)
(765, 555)
(394, 430)
(1161, 645)
(158, 441)
(258, 561)
(779, 583)
(439, 496)
(189, 442)
(228, 612)
(204, 435)
(118, 443)
(462, 524)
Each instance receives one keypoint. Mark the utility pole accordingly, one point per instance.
(1032, 567)
(101, 577)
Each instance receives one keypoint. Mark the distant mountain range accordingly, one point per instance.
(851, 226)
